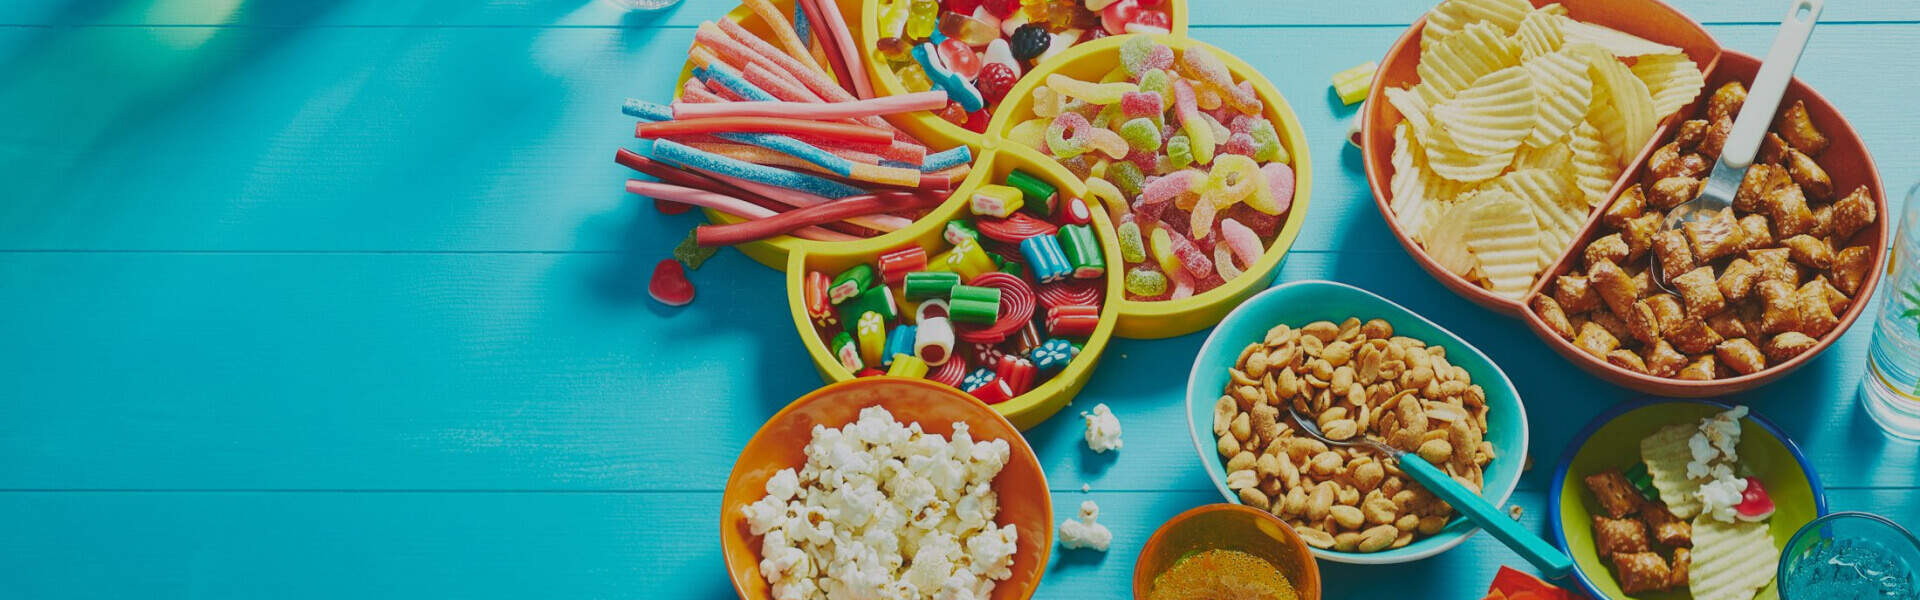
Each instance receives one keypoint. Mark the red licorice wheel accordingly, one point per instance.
(1014, 228)
(1069, 293)
(950, 372)
(1016, 308)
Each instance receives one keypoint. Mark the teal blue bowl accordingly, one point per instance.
(1299, 303)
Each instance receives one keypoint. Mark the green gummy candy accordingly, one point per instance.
(1180, 151)
(1146, 282)
(1141, 134)
(691, 253)
(1155, 81)
(1126, 176)
(1266, 143)
(1132, 247)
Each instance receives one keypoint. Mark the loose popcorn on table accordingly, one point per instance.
(1085, 532)
(883, 510)
(1103, 429)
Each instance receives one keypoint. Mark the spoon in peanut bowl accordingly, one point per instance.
(1550, 560)
(1708, 218)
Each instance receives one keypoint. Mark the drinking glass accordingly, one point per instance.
(1891, 391)
(1850, 556)
(644, 4)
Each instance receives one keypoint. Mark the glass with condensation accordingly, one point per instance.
(1891, 392)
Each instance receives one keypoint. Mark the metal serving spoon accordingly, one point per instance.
(1551, 561)
(1743, 143)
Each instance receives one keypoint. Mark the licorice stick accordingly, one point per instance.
(725, 204)
(823, 130)
(783, 32)
(836, 23)
(832, 59)
(837, 210)
(878, 223)
(904, 103)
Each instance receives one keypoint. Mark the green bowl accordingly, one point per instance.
(1613, 439)
(1301, 302)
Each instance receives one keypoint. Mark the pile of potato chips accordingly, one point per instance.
(1522, 120)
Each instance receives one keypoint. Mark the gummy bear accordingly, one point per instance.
(914, 78)
(1068, 136)
(977, 121)
(1029, 41)
(1146, 281)
(1179, 151)
(1132, 248)
(1266, 143)
(893, 17)
(1092, 93)
(967, 30)
(1139, 55)
(1128, 177)
(959, 58)
(920, 19)
(894, 49)
(1141, 134)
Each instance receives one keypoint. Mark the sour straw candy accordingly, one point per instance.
(725, 204)
(815, 110)
(819, 48)
(817, 129)
(843, 41)
(801, 218)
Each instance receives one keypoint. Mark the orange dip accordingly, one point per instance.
(1222, 575)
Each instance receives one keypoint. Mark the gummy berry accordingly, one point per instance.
(1239, 143)
(965, 7)
(669, 284)
(954, 114)
(994, 82)
(1151, 3)
(977, 121)
(1030, 40)
(1154, 19)
(669, 207)
(1001, 9)
(1755, 504)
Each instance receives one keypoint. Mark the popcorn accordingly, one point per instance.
(1103, 429)
(885, 510)
(1713, 453)
(1085, 533)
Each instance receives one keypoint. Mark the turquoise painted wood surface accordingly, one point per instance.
(343, 298)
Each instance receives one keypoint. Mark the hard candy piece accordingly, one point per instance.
(958, 230)
(814, 293)
(896, 264)
(1041, 197)
(1017, 372)
(933, 340)
(669, 284)
(1072, 320)
(878, 299)
(1076, 212)
(907, 365)
(966, 258)
(977, 305)
(1146, 281)
(1082, 251)
(996, 201)
(928, 285)
(932, 308)
(899, 343)
(1353, 84)
(851, 283)
(871, 333)
(846, 352)
(1133, 249)
(993, 390)
(1046, 258)
(1052, 355)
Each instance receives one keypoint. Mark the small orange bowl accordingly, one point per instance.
(1228, 527)
(781, 444)
(1846, 161)
(1650, 19)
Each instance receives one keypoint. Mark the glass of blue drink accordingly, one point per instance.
(1850, 556)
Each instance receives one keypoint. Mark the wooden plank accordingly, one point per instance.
(498, 139)
(554, 372)
(604, 13)
(524, 545)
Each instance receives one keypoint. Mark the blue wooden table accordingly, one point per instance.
(342, 298)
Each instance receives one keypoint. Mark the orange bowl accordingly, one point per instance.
(1650, 19)
(1228, 527)
(1846, 161)
(781, 443)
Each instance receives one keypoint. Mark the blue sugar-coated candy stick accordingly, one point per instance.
(945, 159)
(802, 27)
(689, 156)
(734, 82)
(651, 111)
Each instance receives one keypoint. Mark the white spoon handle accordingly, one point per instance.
(1763, 99)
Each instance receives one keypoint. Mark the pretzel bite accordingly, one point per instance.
(1759, 232)
(1716, 138)
(1690, 133)
(1664, 361)
(1852, 213)
(1726, 101)
(1715, 238)
(1759, 183)
(1796, 126)
(1629, 206)
(1781, 312)
(1626, 359)
(1776, 264)
(1615, 326)
(1615, 493)
(1701, 292)
(1638, 234)
(1850, 268)
(1615, 286)
(1672, 160)
(1692, 335)
(1742, 355)
(1813, 180)
(1788, 345)
(1773, 150)
(1619, 536)
(1594, 339)
(1788, 207)
(1550, 313)
(1682, 560)
(1676, 257)
(1669, 192)
(1575, 294)
(1643, 323)
(1810, 251)
(1666, 310)
(1837, 301)
(1729, 324)
(1611, 248)
(1668, 529)
(1703, 368)
(1737, 279)
(1822, 221)
(1642, 572)
(1816, 316)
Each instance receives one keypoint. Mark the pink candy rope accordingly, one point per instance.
(843, 41)
(803, 199)
(723, 203)
(905, 103)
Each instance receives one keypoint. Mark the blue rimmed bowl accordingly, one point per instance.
(1301, 302)
(1613, 439)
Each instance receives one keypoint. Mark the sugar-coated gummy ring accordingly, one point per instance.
(1068, 293)
(1015, 227)
(1016, 308)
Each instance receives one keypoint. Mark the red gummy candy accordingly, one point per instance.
(995, 81)
(977, 121)
(1262, 224)
(1134, 105)
(1754, 504)
(669, 284)
(1115, 17)
(870, 373)
(1197, 262)
(1241, 124)
(1151, 3)
(669, 207)
(960, 58)
(1153, 18)
(954, 114)
(964, 7)
(1239, 143)
(1001, 8)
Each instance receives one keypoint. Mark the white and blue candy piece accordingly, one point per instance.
(899, 341)
(1046, 262)
(1051, 355)
(979, 378)
(958, 88)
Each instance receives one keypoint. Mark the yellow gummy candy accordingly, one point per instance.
(1353, 84)
(1031, 133)
(1091, 93)
(1162, 246)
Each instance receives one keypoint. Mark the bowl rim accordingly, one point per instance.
(1579, 442)
(1645, 383)
(1290, 537)
(1018, 445)
(1209, 454)
(1373, 111)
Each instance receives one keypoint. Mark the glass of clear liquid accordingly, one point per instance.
(1850, 556)
(644, 4)
(1891, 392)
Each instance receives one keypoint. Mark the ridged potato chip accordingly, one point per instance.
(1502, 234)
(1558, 155)
(1412, 109)
(1492, 117)
(1565, 89)
(1452, 16)
(1731, 561)
(1414, 187)
(1539, 33)
(1595, 167)
(1615, 42)
(1445, 237)
(1453, 65)
(1622, 107)
(1673, 79)
(1556, 203)
(1449, 161)
(1666, 454)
